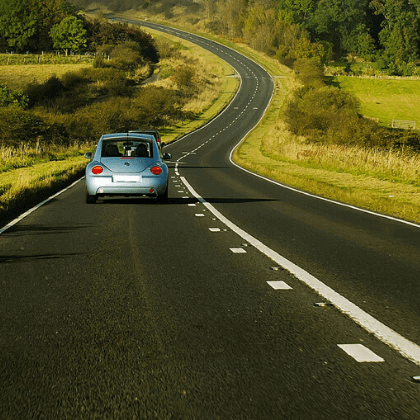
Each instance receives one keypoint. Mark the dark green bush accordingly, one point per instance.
(12, 98)
(313, 112)
(331, 116)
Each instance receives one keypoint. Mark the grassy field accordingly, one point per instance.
(17, 76)
(386, 99)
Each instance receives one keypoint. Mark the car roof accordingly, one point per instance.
(127, 135)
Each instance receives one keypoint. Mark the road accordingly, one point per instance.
(205, 308)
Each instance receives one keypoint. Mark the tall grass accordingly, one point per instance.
(26, 155)
(390, 165)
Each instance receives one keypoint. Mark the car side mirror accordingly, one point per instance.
(167, 156)
(88, 155)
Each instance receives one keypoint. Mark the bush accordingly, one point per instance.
(185, 79)
(309, 71)
(125, 56)
(12, 98)
(331, 116)
(20, 126)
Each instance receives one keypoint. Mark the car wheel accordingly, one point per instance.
(163, 199)
(90, 199)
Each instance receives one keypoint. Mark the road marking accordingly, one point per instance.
(360, 353)
(279, 285)
(328, 200)
(214, 229)
(238, 250)
(199, 215)
(385, 334)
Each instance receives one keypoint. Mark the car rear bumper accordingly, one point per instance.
(97, 185)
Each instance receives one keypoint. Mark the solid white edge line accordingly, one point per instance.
(27, 213)
(385, 334)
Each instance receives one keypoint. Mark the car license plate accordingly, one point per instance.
(126, 178)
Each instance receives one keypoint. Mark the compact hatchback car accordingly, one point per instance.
(127, 164)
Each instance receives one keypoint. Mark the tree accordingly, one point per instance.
(301, 11)
(341, 22)
(69, 34)
(48, 13)
(400, 34)
(17, 22)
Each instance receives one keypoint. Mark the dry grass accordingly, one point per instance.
(22, 184)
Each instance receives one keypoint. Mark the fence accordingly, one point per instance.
(19, 59)
(406, 125)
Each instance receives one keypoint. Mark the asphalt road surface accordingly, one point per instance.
(239, 299)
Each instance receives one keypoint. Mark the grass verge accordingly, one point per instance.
(24, 187)
(384, 182)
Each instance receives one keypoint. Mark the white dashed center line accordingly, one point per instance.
(279, 285)
(360, 353)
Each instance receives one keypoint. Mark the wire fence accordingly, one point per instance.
(10, 58)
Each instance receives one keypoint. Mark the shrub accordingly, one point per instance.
(20, 126)
(12, 98)
(309, 71)
(185, 79)
(126, 56)
(331, 116)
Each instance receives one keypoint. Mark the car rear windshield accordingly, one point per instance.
(127, 147)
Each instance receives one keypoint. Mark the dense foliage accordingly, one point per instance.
(386, 31)
(45, 25)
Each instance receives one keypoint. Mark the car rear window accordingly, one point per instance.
(127, 148)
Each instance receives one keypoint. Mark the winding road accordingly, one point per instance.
(239, 299)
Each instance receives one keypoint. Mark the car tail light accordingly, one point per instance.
(97, 169)
(156, 170)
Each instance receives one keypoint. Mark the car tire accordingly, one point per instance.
(163, 199)
(90, 199)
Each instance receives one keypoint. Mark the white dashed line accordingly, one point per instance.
(360, 353)
(382, 332)
(214, 229)
(238, 250)
(279, 285)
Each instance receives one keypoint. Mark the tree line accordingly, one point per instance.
(47, 25)
(385, 31)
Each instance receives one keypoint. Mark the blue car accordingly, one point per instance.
(127, 164)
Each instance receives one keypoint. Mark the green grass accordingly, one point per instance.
(386, 99)
(18, 76)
